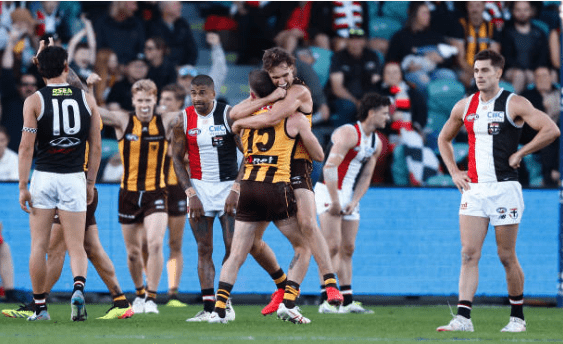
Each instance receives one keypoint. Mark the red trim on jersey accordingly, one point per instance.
(345, 164)
(471, 164)
(193, 148)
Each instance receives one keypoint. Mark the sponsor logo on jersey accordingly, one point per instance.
(65, 142)
(513, 213)
(159, 202)
(471, 117)
(463, 206)
(131, 137)
(501, 210)
(494, 128)
(65, 91)
(194, 132)
(495, 116)
(262, 159)
(216, 130)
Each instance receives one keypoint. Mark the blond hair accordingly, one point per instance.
(145, 85)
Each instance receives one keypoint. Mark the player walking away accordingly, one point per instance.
(142, 196)
(171, 100)
(58, 119)
(280, 66)
(213, 186)
(490, 189)
(344, 180)
(265, 196)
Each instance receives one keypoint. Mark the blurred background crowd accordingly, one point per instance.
(418, 53)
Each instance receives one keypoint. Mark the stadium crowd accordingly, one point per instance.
(418, 53)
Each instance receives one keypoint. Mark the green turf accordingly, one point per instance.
(389, 324)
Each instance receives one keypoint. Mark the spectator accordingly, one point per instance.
(479, 34)
(332, 34)
(423, 53)
(381, 28)
(23, 28)
(176, 32)
(545, 97)
(555, 48)
(217, 72)
(161, 70)
(295, 26)
(6, 9)
(82, 56)
(107, 67)
(8, 158)
(408, 104)
(14, 90)
(353, 72)
(121, 31)
(53, 21)
(444, 19)
(497, 13)
(119, 97)
(524, 47)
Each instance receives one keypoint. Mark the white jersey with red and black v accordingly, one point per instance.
(493, 137)
(355, 159)
(211, 147)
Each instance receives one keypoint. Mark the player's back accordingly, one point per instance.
(63, 128)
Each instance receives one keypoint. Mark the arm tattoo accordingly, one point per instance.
(178, 151)
(73, 80)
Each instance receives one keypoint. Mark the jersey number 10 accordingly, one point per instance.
(64, 109)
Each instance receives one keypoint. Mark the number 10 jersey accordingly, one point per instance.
(63, 128)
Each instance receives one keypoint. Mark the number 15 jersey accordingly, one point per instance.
(63, 128)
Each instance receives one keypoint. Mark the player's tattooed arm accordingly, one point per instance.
(73, 80)
(178, 152)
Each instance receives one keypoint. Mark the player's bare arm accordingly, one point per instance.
(74, 80)
(343, 140)
(115, 119)
(448, 133)
(249, 106)
(298, 96)
(302, 127)
(170, 120)
(522, 110)
(95, 147)
(364, 181)
(31, 108)
(178, 155)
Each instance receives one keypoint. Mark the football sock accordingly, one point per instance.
(330, 280)
(280, 278)
(346, 291)
(517, 306)
(223, 294)
(323, 294)
(151, 295)
(208, 297)
(120, 301)
(40, 302)
(291, 294)
(464, 308)
(173, 294)
(140, 292)
(79, 282)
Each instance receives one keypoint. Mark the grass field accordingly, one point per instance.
(401, 324)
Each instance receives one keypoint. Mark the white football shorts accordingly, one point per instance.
(64, 191)
(212, 195)
(322, 198)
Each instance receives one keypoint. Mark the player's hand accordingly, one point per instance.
(514, 160)
(236, 128)
(93, 79)
(348, 208)
(279, 93)
(90, 193)
(231, 203)
(41, 47)
(195, 208)
(461, 180)
(335, 209)
(25, 199)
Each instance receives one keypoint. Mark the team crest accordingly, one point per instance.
(494, 128)
(513, 213)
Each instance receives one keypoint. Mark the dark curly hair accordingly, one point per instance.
(52, 62)
(497, 60)
(370, 101)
